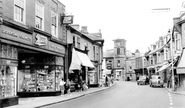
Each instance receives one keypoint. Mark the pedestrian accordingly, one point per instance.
(61, 84)
(88, 83)
(67, 86)
(106, 81)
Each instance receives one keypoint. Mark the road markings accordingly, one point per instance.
(171, 103)
(170, 98)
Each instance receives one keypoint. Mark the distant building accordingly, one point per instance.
(115, 59)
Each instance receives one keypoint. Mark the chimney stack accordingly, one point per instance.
(84, 29)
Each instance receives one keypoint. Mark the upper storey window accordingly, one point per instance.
(54, 26)
(39, 17)
(19, 10)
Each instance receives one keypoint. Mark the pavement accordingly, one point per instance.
(178, 91)
(36, 102)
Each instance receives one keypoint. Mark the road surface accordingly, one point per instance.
(126, 95)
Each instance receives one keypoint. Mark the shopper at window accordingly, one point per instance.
(62, 86)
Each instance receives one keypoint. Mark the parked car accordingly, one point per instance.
(156, 80)
(142, 80)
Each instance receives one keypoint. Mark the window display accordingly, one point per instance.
(7, 81)
(59, 76)
(45, 80)
(26, 80)
(36, 80)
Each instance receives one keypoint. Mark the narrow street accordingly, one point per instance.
(127, 95)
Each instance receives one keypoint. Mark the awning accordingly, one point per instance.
(79, 59)
(85, 59)
(181, 65)
(76, 62)
(165, 66)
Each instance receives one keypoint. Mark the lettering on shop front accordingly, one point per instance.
(16, 35)
(56, 48)
(40, 40)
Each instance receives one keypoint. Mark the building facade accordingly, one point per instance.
(130, 68)
(179, 35)
(32, 49)
(89, 45)
(163, 54)
(119, 58)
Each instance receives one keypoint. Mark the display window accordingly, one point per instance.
(36, 79)
(26, 80)
(59, 76)
(45, 80)
(7, 81)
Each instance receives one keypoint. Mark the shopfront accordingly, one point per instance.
(31, 64)
(80, 63)
(39, 74)
(8, 74)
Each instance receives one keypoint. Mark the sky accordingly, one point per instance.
(132, 20)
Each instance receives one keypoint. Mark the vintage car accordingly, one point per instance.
(156, 80)
(142, 80)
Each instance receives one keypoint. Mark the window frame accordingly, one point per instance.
(23, 11)
(56, 26)
(78, 41)
(36, 16)
(118, 51)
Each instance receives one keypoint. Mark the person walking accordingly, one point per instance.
(106, 81)
(67, 86)
(61, 84)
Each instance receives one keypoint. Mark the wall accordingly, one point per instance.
(8, 14)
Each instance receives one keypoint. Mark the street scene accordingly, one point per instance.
(92, 54)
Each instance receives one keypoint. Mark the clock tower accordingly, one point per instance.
(119, 59)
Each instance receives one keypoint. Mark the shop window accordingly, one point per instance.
(54, 26)
(7, 81)
(40, 74)
(19, 10)
(39, 18)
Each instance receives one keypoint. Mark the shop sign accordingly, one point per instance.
(7, 62)
(56, 47)
(67, 19)
(16, 35)
(41, 40)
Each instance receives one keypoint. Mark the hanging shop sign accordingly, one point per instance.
(15, 35)
(41, 40)
(67, 19)
(56, 47)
